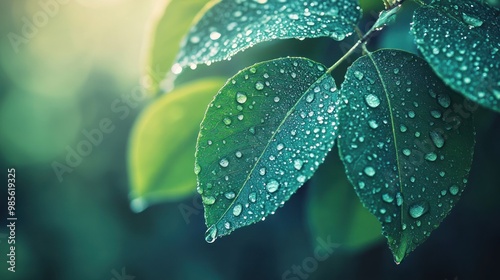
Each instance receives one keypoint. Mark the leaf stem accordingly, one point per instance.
(366, 37)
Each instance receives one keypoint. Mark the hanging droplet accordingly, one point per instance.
(211, 234)
(208, 200)
(197, 169)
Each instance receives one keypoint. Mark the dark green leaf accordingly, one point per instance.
(162, 144)
(461, 41)
(407, 143)
(263, 136)
(163, 42)
(232, 26)
(334, 210)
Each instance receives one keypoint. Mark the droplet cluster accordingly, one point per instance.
(249, 167)
(461, 41)
(405, 148)
(231, 26)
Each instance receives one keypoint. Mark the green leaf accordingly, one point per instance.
(407, 142)
(333, 209)
(461, 41)
(263, 136)
(232, 26)
(162, 144)
(163, 41)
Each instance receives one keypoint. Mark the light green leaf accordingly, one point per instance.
(232, 26)
(333, 209)
(162, 144)
(263, 136)
(461, 41)
(407, 142)
(166, 30)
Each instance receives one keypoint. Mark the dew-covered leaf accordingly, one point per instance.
(461, 41)
(163, 41)
(232, 26)
(263, 136)
(334, 210)
(406, 141)
(162, 144)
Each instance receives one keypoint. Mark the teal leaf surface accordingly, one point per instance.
(264, 135)
(461, 41)
(407, 142)
(231, 26)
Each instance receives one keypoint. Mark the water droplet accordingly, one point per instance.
(227, 121)
(418, 209)
(224, 162)
(211, 234)
(310, 98)
(197, 169)
(472, 21)
(359, 75)
(237, 210)
(431, 156)
(373, 124)
(437, 139)
(262, 171)
(407, 152)
(387, 198)
(454, 190)
(436, 114)
(238, 154)
(227, 225)
(199, 189)
(208, 200)
(301, 178)
(297, 164)
(252, 196)
(259, 86)
(230, 195)
(370, 171)
(280, 147)
(372, 100)
(444, 100)
(399, 199)
(403, 128)
(215, 35)
(241, 97)
(272, 186)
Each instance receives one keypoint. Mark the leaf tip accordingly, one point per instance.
(399, 250)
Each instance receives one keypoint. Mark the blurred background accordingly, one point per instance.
(68, 75)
